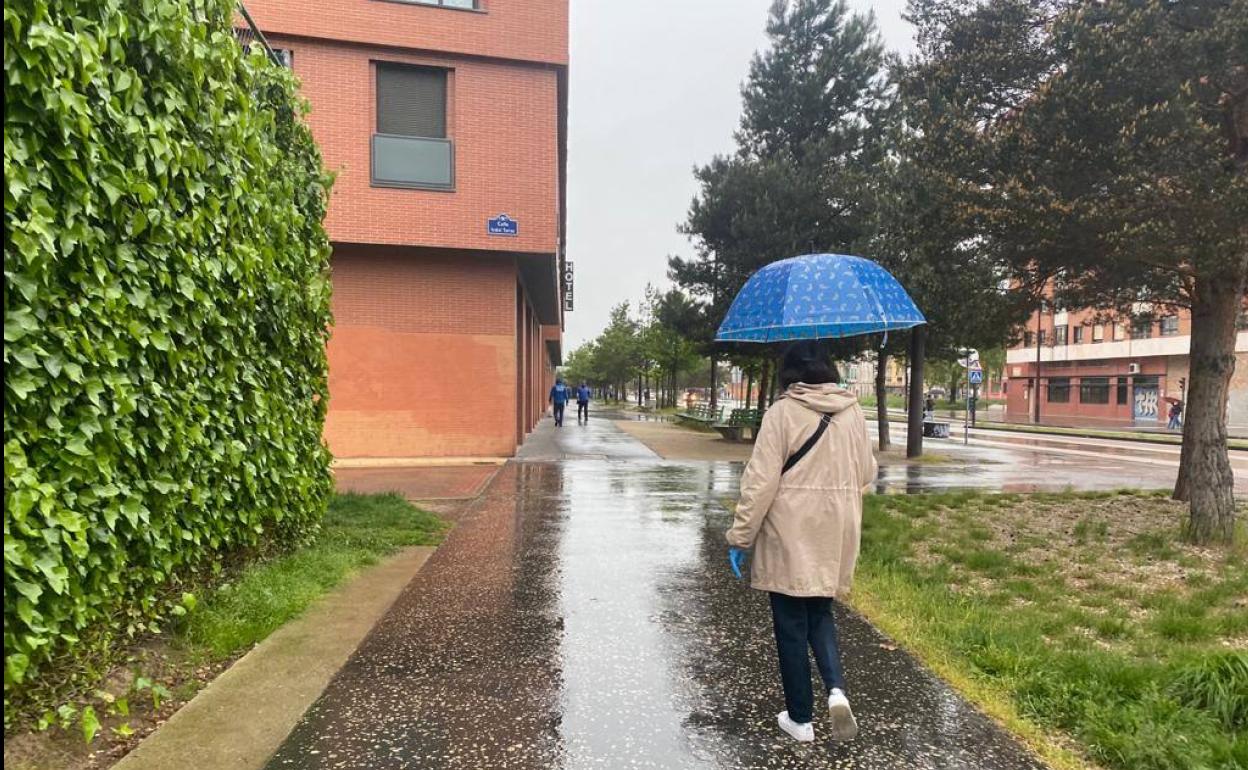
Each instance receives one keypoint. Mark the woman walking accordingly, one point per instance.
(801, 513)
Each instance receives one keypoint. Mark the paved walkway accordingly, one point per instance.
(581, 615)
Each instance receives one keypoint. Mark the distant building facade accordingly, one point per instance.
(1111, 371)
(445, 122)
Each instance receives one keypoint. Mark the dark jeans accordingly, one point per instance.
(801, 622)
(582, 408)
(558, 414)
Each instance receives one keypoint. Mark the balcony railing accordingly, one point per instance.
(409, 161)
(249, 34)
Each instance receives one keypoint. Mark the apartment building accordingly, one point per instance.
(1111, 371)
(445, 122)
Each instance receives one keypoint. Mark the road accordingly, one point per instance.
(582, 615)
(1022, 461)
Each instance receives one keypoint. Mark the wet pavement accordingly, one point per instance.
(581, 615)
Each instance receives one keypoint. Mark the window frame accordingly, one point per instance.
(1055, 385)
(1101, 386)
(478, 6)
(448, 74)
(1079, 334)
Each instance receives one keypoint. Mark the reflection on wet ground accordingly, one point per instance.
(582, 615)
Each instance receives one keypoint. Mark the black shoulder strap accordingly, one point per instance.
(797, 456)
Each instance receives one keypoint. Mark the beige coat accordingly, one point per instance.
(804, 527)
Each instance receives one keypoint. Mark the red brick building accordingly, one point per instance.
(446, 124)
(1112, 371)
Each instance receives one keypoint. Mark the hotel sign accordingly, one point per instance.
(567, 287)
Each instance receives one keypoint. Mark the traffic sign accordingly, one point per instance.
(976, 376)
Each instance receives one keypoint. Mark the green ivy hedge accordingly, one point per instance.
(166, 306)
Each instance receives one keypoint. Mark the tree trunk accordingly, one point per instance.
(714, 377)
(914, 428)
(775, 384)
(764, 382)
(881, 398)
(749, 386)
(1206, 480)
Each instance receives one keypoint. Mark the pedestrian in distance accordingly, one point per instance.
(559, 394)
(800, 512)
(1176, 416)
(582, 402)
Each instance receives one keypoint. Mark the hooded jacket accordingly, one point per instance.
(804, 526)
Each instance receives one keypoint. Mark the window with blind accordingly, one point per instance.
(411, 148)
(411, 101)
(1059, 390)
(1094, 390)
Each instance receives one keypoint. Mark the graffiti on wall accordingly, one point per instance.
(1145, 407)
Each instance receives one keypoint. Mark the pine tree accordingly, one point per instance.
(1102, 149)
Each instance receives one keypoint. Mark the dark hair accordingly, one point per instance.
(807, 361)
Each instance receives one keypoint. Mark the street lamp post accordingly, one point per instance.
(1035, 409)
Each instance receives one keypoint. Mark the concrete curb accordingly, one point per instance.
(413, 462)
(239, 720)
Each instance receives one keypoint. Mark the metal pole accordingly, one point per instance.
(1036, 394)
(914, 428)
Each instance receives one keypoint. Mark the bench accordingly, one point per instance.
(742, 425)
(934, 429)
(701, 415)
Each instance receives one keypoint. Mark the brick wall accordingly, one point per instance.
(502, 118)
(422, 356)
(529, 30)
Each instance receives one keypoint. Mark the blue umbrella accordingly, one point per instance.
(818, 296)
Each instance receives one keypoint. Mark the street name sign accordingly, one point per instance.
(502, 225)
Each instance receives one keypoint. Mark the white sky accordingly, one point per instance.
(655, 90)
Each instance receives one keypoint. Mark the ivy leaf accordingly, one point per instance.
(90, 724)
(15, 666)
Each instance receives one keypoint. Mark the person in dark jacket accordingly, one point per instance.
(559, 394)
(582, 403)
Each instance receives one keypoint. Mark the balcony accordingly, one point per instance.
(413, 162)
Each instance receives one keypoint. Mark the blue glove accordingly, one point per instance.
(736, 560)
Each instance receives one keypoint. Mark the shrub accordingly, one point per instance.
(166, 307)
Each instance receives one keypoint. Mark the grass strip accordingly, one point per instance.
(1079, 621)
(358, 530)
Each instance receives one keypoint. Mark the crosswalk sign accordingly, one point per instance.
(976, 376)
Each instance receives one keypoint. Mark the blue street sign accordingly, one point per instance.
(503, 225)
(976, 376)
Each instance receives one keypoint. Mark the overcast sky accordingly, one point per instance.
(655, 90)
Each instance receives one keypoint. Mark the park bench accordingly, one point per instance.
(935, 429)
(742, 425)
(701, 415)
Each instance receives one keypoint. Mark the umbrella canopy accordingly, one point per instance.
(818, 296)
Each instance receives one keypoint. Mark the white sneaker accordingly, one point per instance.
(798, 732)
(844, 727)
